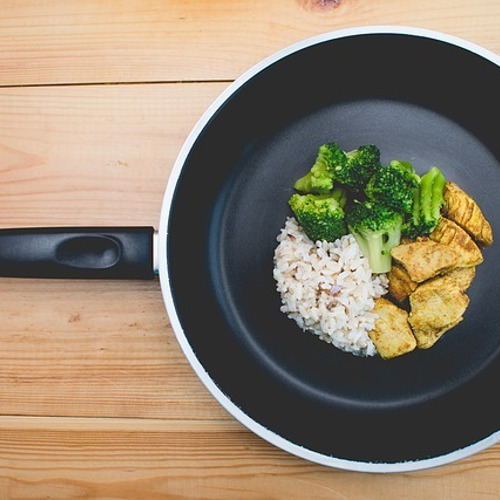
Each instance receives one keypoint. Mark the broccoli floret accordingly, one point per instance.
(377, 229)
(394, 186)
(320, 178)
(406, 168)
(427, 205)
(320, 216)
(352, 169)
(358, 168)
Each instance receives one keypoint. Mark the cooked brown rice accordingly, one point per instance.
(327, 288)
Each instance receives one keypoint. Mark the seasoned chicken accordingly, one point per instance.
(426, 259)
(400, 283)
(449, 233)
(436, 307)
(392, 334)
(427, 337)
(462, 209)
(461, 276)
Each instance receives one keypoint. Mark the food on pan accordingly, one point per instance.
(402, 286)
(377, 259)
(327, 288)
(400, 283)
(462, 276)
(377, 230)
(427, 205)
(425, 259)
(322, 217)
(436, 306)
(449, 233)
(463, 210)
(391, 333)
(351, 169)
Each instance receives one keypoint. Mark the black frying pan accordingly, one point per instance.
(420, 96)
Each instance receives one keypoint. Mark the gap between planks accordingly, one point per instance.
(98, 84)
(13, 422)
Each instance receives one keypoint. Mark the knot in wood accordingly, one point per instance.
(319, 5)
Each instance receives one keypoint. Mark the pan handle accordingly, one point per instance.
(78, 252)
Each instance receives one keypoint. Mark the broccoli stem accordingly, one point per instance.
(416, 206)
(376, 247)
(426, 183)
(437, 194)
(372, 248)
(303, 185)
(380, 259)
(431, 196)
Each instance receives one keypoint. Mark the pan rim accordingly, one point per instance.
(163, 258)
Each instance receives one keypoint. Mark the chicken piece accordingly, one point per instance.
(427, 337)
(443, 300)
(448, 232)
(425, 259)
(436, 307)
(400, 283)
(462, 209)
(392, 334)
(461, 276)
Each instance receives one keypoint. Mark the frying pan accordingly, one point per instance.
(421, 96)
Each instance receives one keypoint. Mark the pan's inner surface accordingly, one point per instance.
(419, 100)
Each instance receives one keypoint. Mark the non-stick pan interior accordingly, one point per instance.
(418, 99)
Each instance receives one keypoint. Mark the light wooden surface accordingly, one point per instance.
(96, 398)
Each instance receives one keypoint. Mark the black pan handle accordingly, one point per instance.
(78, 252)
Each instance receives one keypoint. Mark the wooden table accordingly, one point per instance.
(96, 398)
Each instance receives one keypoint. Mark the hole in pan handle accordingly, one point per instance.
(78, 252)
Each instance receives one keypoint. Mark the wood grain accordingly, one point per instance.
(61, 458)
(93, 155)
(94, 348)
(89, 41)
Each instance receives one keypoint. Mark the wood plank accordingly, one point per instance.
(153, 40)
(157, 459)
(92, 155)
(94, 348)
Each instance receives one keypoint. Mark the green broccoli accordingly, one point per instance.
(377, 229)
(352, 169)
(358, 168)
(395, 186)
(340, 195)
(427, 205)
(413, 225)
(407, 169)
(320, 178)
(321, 216)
